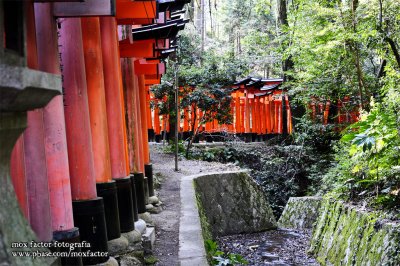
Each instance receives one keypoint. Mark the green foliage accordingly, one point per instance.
(368, 164)
(283, 171)
(220, 258)
(171, 147)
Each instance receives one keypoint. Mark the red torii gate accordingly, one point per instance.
(88, 155)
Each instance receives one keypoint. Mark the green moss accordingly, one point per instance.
(347, 236)
(205, 225)
(150, 260)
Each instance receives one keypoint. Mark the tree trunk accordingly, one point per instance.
(394, 50)
(194, 111)
(282, 21)
(202, 26)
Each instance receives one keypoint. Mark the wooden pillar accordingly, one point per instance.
(139, 145)
(157, 127)
(257, 114)
(143, 118)
(18, 178)
(96, 97)
(148, 109)
(242, 116)
(87, 207)
(185, 120)
(114, 99)
(289, 115)
(34, 151)
(247, 113)
(237, 112)
(262, 114)
(55, 134)
(117, 123)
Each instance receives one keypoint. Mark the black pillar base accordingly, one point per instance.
(68, 236)
(247, 137)
(218, 137)
(108, 191)
(148, 171)
(151, 135)
(125, 204)
(185, 135)
(146, 190)
(140, 193)
(134, 198)
(90, 219)
(158, 138)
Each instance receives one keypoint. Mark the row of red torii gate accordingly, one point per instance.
(259, 107)
(73, 128)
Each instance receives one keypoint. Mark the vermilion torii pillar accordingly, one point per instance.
(55, 135)
(106, 187)
(38, 197)
(148, 167)
(135, 155)
(87, 207)
(117, 133)
(17, 172)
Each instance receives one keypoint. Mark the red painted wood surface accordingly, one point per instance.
(96, 98)
(143, 119)
(36, 176)
(114, 99)
(148, 108)
(80, 155)
(34, 151)
(132, 104)
(138, 136)
(54, 124)
(143, 48)
(17, 172)
(157, 126)
(135, 12)
(247, 113)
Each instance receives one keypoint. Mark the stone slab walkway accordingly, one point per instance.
(191, 243)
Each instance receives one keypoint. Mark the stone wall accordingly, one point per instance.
(345, 235)
(300, 213)
(233, 203)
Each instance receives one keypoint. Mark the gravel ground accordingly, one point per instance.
(275, 247)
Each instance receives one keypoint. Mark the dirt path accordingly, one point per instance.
(166, 247)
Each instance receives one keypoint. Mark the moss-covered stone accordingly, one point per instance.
(233, 203)
(300, 212)
(345, 235)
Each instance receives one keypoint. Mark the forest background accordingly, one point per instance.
(325, 51)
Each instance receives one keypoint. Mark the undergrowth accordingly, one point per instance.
(283, 168)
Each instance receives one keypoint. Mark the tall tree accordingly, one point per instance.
(283, 26)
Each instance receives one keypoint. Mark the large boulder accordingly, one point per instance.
(300, 213)
(233, 203)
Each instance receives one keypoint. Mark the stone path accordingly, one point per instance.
(191, 243)
(177, 222)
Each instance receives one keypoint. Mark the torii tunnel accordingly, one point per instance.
(74, 91)
(260, 109)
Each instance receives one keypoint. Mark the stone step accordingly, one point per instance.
(148, 239)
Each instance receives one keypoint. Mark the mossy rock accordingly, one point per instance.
(300, 213)
(346, 235)
(233, 203)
